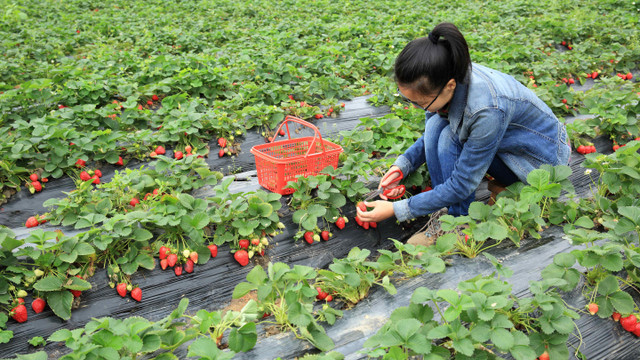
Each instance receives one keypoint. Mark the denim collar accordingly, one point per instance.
(459, 102)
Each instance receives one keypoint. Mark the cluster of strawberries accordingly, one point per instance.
(36, 185)
(19, 311)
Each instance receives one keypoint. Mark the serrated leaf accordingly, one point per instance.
(49, 283)
(60, 302)
(501, 338)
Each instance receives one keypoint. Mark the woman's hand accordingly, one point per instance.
(387, 179)
(381, 210)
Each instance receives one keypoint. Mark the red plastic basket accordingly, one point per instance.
(279, 162)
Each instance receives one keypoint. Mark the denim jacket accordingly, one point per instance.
(493, 115)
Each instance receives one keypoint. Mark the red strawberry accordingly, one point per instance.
(178, 270)
(242, 257)
(160, 150)
(76, 293)
(362, 206)
(164, 263)
(636, 331)
(188, 149)
(616, 147)
(580, 149)
(136, 294)
(340, 223)
(214, 250)
(593, 308)
(80, 163)
(96, 179)
(155, 192)
(38, 305)
(163, 252)
(172, 259)
(243, 243)
(365, 225)
(291, 97)
(20, 300)
(222, 142)
(359, 221)
(319, 116)
(629, 76)
(134, 202)
(19, 313)
(155, 97)
(140, 107)
(571, 81)
(308, 237)
(119, 162)
(188, 266)
(629, 322)
(221, 153)
(255, 241)
(616, 316)
(45, 180)
(84, 176)
(324, 235)
(373, 224)
(32, 222)
(282, 133)
(33, 177)
(153, 154)
(342, 104)
(149, 102)
(428, 188)
(122, 289)
(321, 294)
(98, 173)
(194, 257)
(178, 155)
(329, 298)
(594, 74)
(36, 185)
(544, 356)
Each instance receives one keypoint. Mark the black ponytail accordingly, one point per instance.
(426, 64)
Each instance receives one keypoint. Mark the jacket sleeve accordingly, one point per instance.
(474, 160)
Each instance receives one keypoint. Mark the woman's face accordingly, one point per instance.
(433, 102)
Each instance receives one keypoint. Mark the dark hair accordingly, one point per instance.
(426, 64)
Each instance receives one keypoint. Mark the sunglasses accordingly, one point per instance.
(415, 104)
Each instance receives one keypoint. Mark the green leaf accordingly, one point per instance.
(464, 346)
(140, 234)
(5, 336)
(502, 338)
(608, 285)
(49, 283)
(439, 332)
(74, 283)
(40, 355)
(60, 302)
(407, 327)
(244, 338)
(257, 276)
(206, 348)
(200, 220)
(446, 242)
(60, 335)
(622, 302)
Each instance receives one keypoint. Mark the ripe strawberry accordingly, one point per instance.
(122, 289)
(188, 149)
(308, 237)
(45, 180)
(321, 294)
(155, 97)
(188, 266)
(544, 356)
(194, 257)
(340, 223)
(365, 225)
(362, 206)
(319, 116)
(593, 308)
(172, 259)
(149, 102)
(214, 250)
(119, 162)
(580, 149)
(33, 177)
(329, 298)
(19, 313)
(373, 224)
(178, 155)
(80, 163)
(84, 176)
(134, 202)
(243, 243)
(594, 74)
(255, 241)
(140, 107)
(136, 294)
(616, 147)
(32, 222)
(164, 263)
(20, 300)
(571, 81)
(178, 270)
(282, 133)
(629, 322)
(324, 235)
(222, 142)
(291, 97)
(163, 252)
(98, 173)
(360, 223)
(76, 293)
(38, 305)
(155, 192)
(96, 179)
(342, 104)
(221, 153)
(428, 188)
(564, 101)
(616, 316)
(36, 185)
(242, 257)
(629, 76)
(153, 154)
(160, 150)
(636, 331)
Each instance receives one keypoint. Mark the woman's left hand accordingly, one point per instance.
(381, 210)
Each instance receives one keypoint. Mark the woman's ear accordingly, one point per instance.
(451, 85)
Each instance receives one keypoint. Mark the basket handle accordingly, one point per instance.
(301, 122)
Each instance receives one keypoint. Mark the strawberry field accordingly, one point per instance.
(132, 223)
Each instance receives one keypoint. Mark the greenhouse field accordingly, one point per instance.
(135, 222)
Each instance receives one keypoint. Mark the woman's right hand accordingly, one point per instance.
(388, 179)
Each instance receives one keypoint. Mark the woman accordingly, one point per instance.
(478, 121)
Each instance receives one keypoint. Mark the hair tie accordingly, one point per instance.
(434, 38)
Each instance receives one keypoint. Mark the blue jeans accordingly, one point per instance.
(442, 149)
